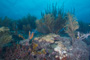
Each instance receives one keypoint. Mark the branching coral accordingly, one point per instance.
(5, 22)
(52, 21)
(50, 24)
(81, 37)
(45, 25)
(26, 41)
(27, 23)
(26, 27)
(71, 26)
(5, 36)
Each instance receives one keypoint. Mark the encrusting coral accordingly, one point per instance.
(47, 38)
(54, 42)
(5, 36)
(61, 49)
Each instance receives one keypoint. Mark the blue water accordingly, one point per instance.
(16, 9)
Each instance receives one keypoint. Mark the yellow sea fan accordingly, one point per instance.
(72, 25)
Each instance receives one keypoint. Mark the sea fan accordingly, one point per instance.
(71, 26)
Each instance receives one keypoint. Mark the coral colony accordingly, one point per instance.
(59, 37)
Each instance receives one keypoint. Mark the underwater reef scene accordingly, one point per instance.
(57, 35)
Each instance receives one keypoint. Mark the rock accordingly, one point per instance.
(78, 51)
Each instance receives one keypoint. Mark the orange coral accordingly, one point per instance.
(30, 37)
(21, 37)
(29, 33)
